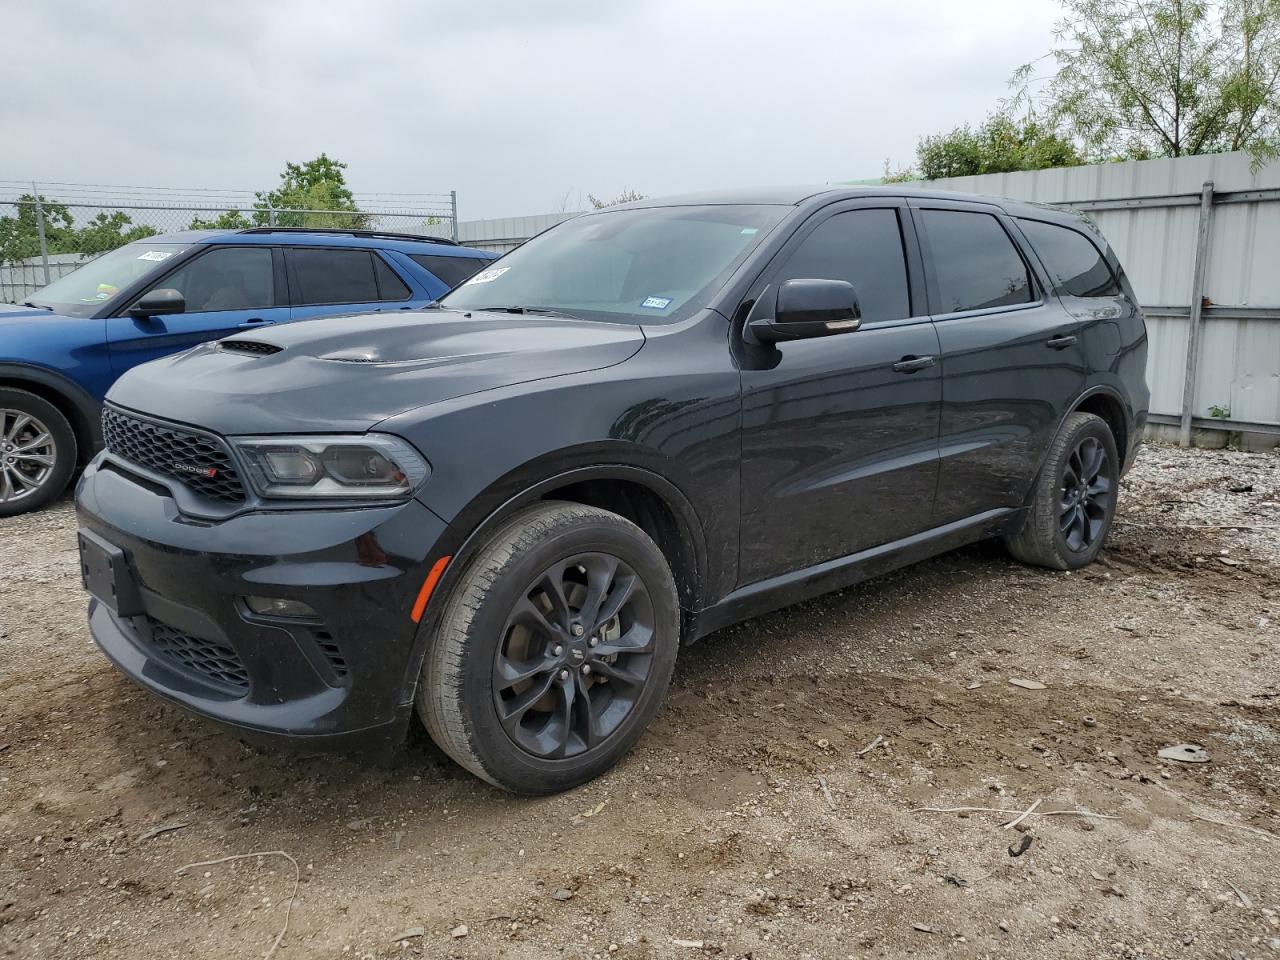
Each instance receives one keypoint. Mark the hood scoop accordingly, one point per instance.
(255, 347)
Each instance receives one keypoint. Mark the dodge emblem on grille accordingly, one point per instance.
(193, 469)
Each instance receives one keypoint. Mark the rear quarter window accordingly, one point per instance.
(975, 264)
(328, 275)
(1075, 264)
(449, 270)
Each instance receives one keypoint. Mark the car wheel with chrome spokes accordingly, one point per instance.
(37, 452)
(553, 650)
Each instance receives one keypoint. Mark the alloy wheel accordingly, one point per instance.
(27, 455)
(574, 656)
(1087, 490)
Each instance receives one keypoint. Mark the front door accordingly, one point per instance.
(227, 290)
(1012, 358)
(840, 434)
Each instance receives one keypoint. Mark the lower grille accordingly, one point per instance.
(200, 460)
(212, 660)
(332, 652)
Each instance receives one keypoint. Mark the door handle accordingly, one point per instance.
(1061, 342)
(912, 364)
(255, 322)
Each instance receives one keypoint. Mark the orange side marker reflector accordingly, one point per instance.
(428, 585)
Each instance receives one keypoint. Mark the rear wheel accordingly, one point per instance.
(1074, 499)
(37, 452)
(554, 650)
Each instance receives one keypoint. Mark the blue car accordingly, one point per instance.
(62, 349)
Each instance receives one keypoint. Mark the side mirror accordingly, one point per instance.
(156, 303)
(810, 308)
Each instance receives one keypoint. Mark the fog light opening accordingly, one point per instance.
(277, 607)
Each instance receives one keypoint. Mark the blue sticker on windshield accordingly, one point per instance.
(656, 303)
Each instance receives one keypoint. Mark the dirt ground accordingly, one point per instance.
(775, 810)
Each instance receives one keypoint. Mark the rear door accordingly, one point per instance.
(840, 434)
(329, 280)
(1012, 357)
(227, 289)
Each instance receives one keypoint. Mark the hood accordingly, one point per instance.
(344, 374)
(14, 314)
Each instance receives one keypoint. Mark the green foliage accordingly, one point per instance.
(228, 220)
(901, 175)
(626, 196)
(1000, 145)
(1219, 412)
(107, 231)
(20, 234)
(1152, 78)
(317, 185)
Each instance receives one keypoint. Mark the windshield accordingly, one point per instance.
(638, 266)
(84, 292)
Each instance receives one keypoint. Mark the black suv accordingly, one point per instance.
(647, 423)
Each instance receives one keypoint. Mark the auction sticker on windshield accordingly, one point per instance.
(156, 255)
(488, 276)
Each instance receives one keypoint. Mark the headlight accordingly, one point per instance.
(368, 466)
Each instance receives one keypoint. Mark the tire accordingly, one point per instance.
(1070, 514)
(37, 452)
(581, 701)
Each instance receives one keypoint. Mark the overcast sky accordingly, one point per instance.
(522, 106)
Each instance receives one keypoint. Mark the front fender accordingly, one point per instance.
(472, 528)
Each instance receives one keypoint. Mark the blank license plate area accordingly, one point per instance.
(104, 570)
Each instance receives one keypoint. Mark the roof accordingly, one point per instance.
(405, 243)
(795, 196)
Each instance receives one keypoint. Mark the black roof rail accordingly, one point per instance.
(382, 234)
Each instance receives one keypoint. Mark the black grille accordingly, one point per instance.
(211, 659)
(250, 346)
(200, 460)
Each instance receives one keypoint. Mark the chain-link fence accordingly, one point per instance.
(45, 234)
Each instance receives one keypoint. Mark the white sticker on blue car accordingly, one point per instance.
(656, 303)
(156, 255)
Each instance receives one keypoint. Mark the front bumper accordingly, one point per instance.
(344, 678)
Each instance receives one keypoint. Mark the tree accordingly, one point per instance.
(626, 196)
(1146, 78)
(107, 231)
(1000, 145)
(20, 234)
(317, 185)
(231, 219)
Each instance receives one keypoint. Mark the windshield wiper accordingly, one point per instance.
(37, 306)
(545, 311)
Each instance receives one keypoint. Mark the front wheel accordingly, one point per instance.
(554, 649)
(1074, 499)
(37, 452)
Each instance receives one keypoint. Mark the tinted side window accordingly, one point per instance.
(228, 278)
(450, 270)
(1074, 263)
(975, 264)
(333, 276)
(863, 247)
(390, 286)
